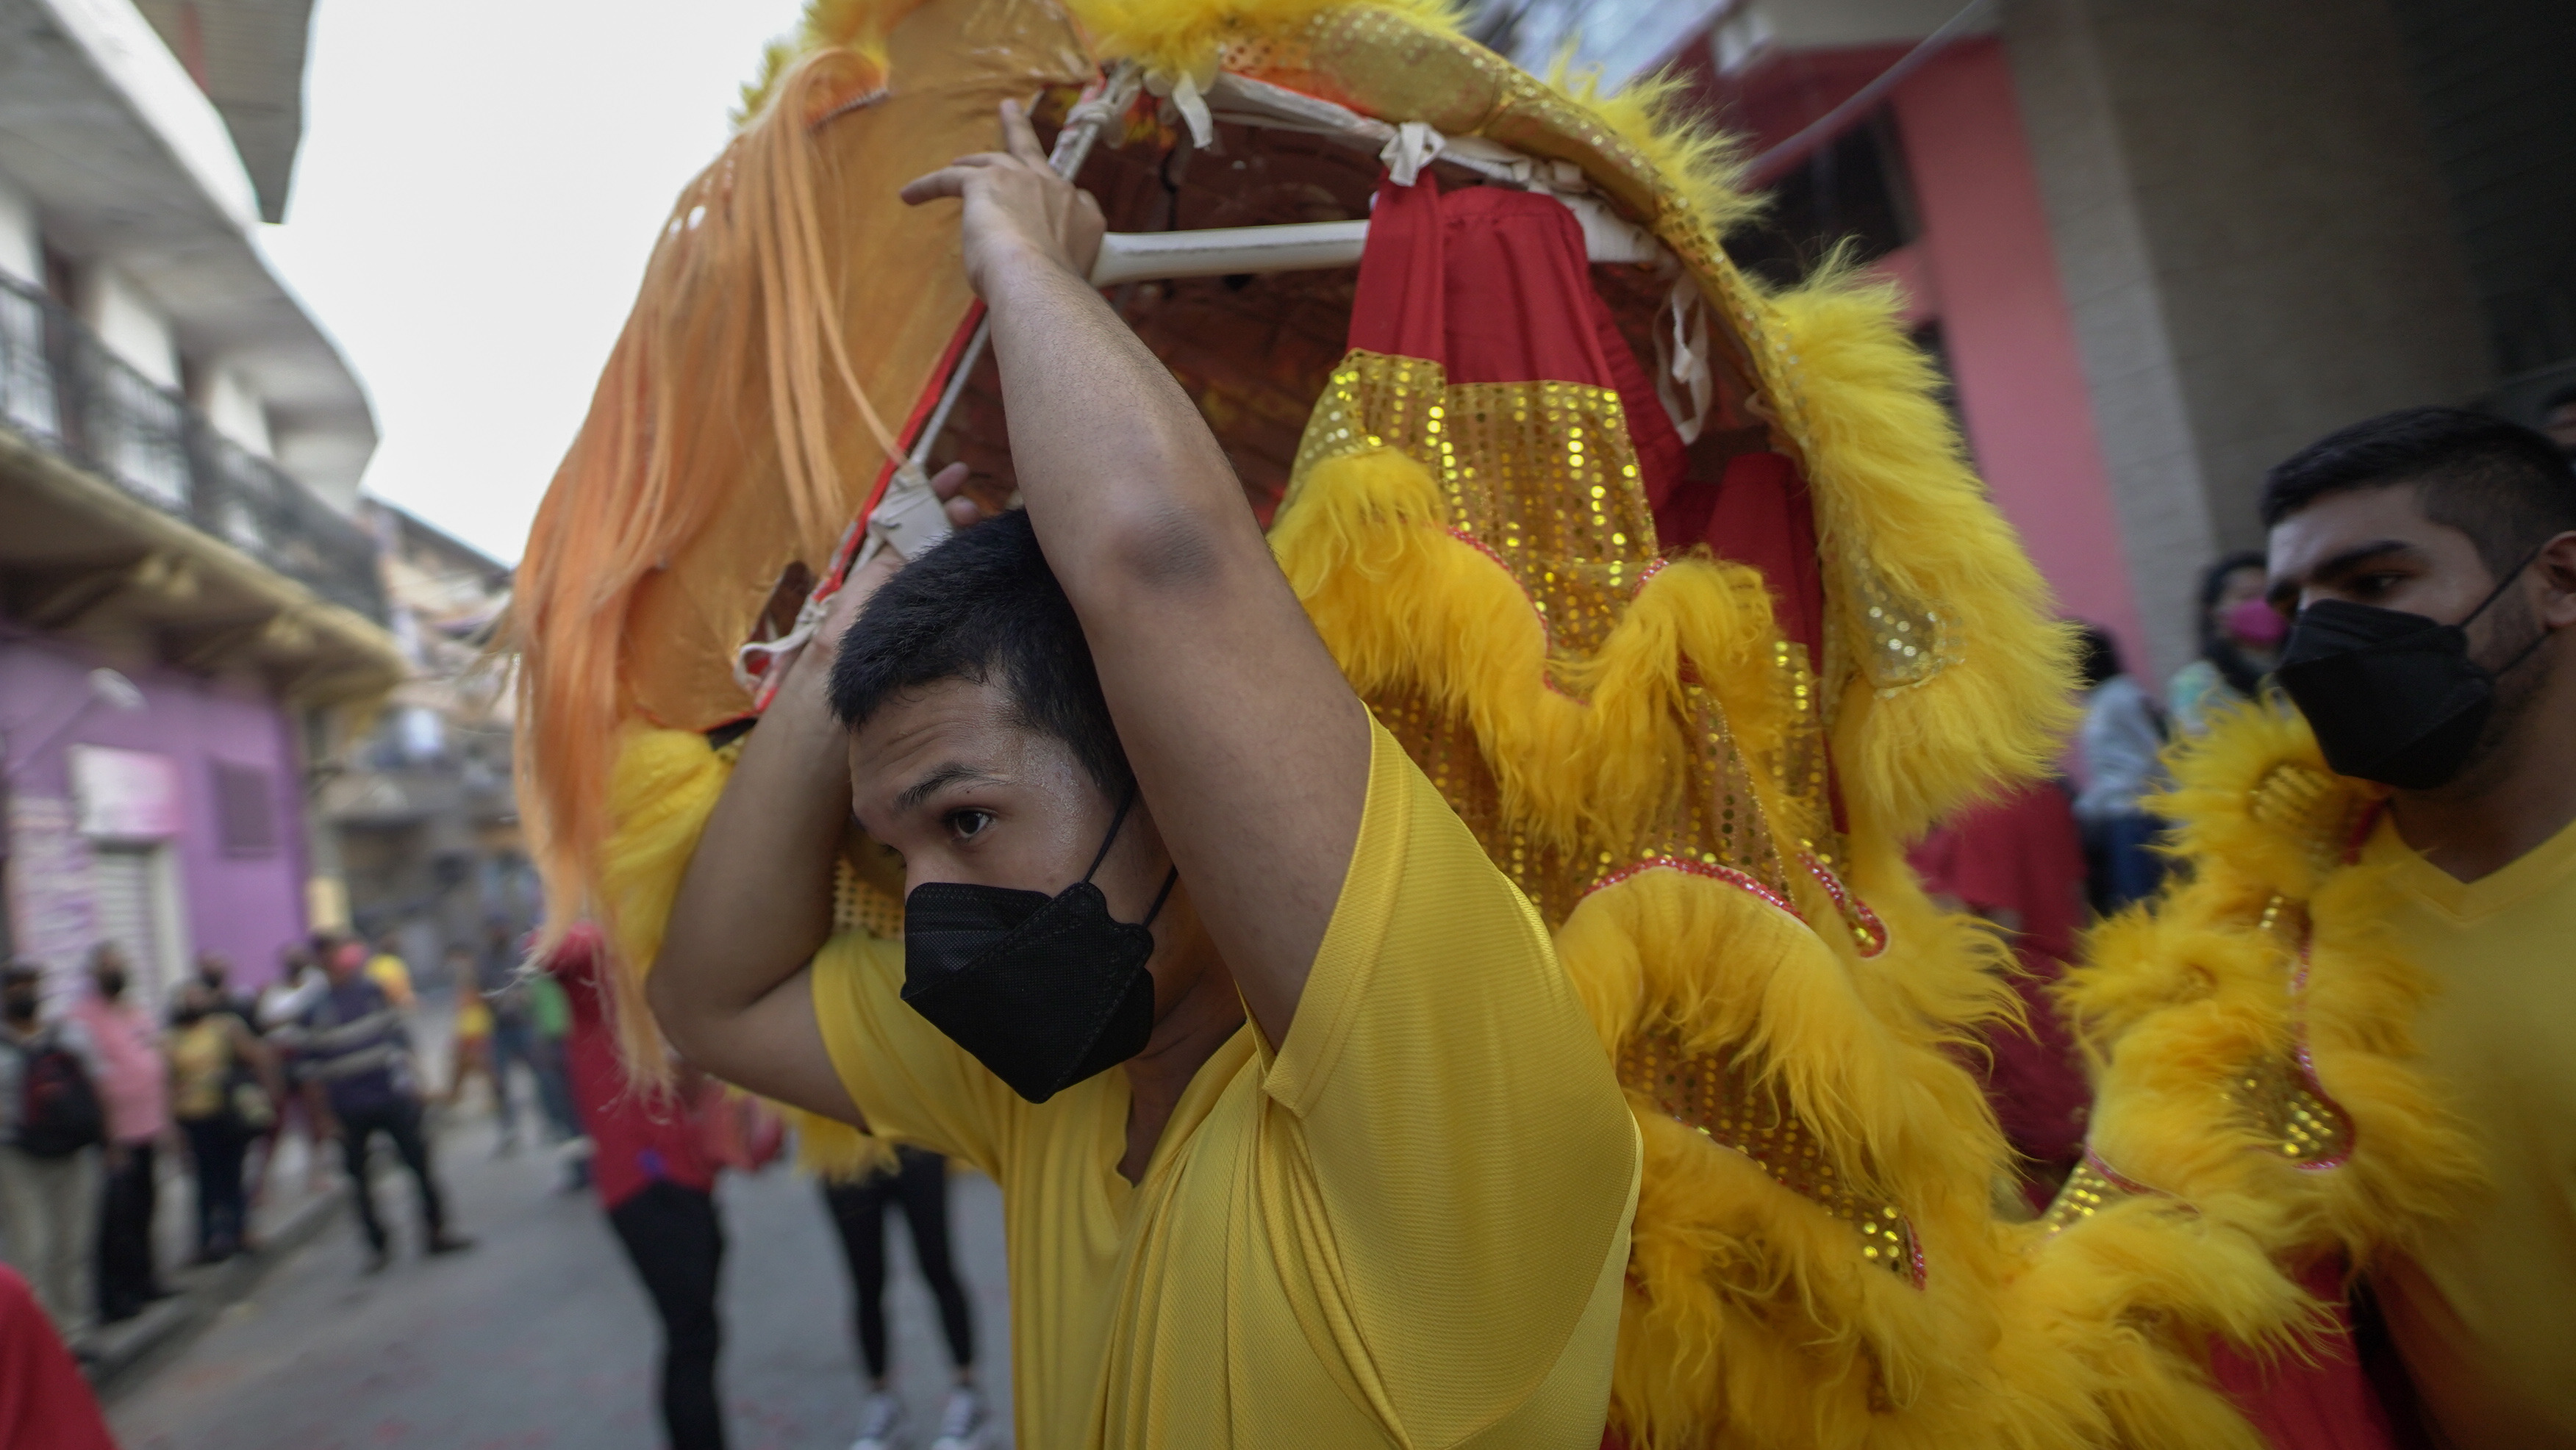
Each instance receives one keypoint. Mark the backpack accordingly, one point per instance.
(58, 1110)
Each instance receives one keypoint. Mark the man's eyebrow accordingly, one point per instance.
(2338, 566)
(940, 779)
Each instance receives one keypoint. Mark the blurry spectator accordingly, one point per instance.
(45, 1404)
(391, 973)
(351, 1043)
(918, 1183)
(2558, 419)
(514, 1038)
(134, 1085)
(224, 1088)
(51, 1126)
(295, 964)
(216, 971)
(2240, 641)
(2019, 863)
(2122, 735)
(657, 1181)
(469, 1042)
(550, 1023)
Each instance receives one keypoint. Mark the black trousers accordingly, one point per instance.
(126, 1200)
(399, 1120)
(673, 1236)
(218, 1145)
(920, 1185)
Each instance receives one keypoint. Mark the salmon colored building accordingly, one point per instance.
(2159, 247)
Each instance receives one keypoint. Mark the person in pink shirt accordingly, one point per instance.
(134, 1086)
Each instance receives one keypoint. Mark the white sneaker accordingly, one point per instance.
(880, 1423)
(962, 1423)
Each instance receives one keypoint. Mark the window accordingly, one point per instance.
(1853, 188)
(245, 810)
(137, 900)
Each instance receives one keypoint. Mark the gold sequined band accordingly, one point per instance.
(1733, 1108)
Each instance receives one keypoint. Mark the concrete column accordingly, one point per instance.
(2255, 246)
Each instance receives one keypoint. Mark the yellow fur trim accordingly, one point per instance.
(664, 786)
(829, 1148)
(1176, 38)
(1657, 116)
(1402, 602)
(855, 28)
(1898, 506)
(2178, 1003)
(1752, 1317)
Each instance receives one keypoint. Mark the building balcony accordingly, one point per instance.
(121, 506)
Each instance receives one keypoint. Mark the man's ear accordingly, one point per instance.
(2556, 566)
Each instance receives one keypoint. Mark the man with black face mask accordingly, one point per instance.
(2349, 1032)
(2430, 557)
(1302, 1136)
(50, 1130)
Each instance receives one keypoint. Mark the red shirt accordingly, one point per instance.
(2022, 855)
(638, 1136)
(43, 1399)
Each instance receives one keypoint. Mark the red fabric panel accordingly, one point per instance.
(1493, 285)
(2322, 1402)
(1661, 463)
(2023, 857)
(43, 1399)
(1762, 516)
(636, 1137)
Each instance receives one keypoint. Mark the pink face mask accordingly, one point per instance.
(2256, 623)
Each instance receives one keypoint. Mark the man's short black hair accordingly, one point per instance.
(2559, 397)
(2099, 659)
(2506, 487)
(983, 606)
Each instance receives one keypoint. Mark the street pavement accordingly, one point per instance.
(542, 1339)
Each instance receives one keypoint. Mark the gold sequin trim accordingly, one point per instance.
(2297, 1121)
(1904, 642)
(2092, 1187)
(1538, 475)
(1730, 1106)
(2309, 805)
(860, 905)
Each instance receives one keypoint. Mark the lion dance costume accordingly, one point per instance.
(1693, 645)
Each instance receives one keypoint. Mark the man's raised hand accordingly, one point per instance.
(1018, 211)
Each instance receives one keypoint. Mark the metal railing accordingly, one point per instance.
(60, 386)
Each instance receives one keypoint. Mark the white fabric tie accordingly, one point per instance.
(909, 519)
(1193, 107)
(1681, 359)
(1409, 150)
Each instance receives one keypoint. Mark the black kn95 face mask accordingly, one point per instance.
(1044, 990)
(2393, 697)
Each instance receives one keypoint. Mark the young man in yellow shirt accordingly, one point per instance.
(1138, 805)
(2431, 558)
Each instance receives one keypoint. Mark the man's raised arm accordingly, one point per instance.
(731, 988)
(1252, 752)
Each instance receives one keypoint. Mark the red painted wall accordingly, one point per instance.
(1986, 253)
(1985, 269)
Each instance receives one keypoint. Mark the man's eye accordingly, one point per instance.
(969, 824)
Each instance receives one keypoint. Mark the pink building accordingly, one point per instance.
(2160, 247)
(186, 604)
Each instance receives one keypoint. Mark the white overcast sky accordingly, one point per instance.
(479, 185)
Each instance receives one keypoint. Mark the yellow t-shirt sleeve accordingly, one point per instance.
(1468, 1161)
(909, 1081)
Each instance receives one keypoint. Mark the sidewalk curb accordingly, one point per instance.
(118, 1350)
